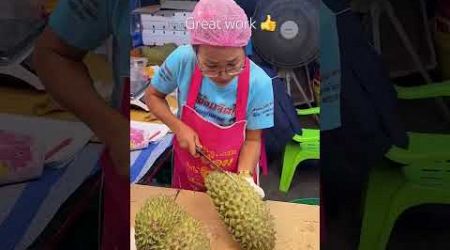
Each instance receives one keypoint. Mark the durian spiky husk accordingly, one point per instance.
(162, 225)
(247, 217)
(187, 235)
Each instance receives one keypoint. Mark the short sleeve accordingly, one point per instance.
(82, 23)
(166, 79)
(260, 106)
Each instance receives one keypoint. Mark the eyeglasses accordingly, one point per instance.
(214, 72)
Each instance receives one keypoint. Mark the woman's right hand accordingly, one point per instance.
(187, 138)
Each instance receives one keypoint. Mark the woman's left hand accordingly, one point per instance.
(257, 188)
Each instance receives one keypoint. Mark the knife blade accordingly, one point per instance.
(203, 154)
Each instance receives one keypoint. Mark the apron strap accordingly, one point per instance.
(242, 92)
(194, 89)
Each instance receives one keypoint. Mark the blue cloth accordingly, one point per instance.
(88, 24)
(141, 161)
(216, 103)
(286, 120)
(19, 227)
(249, 49)
(16, 224)
(330, 70)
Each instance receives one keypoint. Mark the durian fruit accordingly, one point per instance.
(155, 220)
(187, 235)
(244, 212)
(161, 224)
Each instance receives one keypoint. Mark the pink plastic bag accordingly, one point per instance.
(21, 157)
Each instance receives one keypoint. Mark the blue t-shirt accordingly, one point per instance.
(216, 103)
(89, 23)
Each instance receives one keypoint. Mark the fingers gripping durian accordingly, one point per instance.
(247, 217)
(162, 225)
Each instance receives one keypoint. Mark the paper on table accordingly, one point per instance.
(50, 133)
(151, 128)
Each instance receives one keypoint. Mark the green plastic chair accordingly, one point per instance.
(424, 177)
(424, 91)
(302, 147)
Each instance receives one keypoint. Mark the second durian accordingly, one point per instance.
(161, 224)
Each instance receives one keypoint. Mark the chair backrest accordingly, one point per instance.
(433, 174)
(427, 159)
(424, 91)
(308, 134)
(310, 111)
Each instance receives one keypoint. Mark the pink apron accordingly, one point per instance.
(116, 195)
(221, 144)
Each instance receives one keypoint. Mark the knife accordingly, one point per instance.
(203, 154)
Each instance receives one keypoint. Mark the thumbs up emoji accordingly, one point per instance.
(269, 24)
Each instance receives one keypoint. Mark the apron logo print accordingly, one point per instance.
(204, 171)
(196, 181)
(192, 168)
(224, 163)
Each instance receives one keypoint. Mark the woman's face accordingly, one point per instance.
(220, 64)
